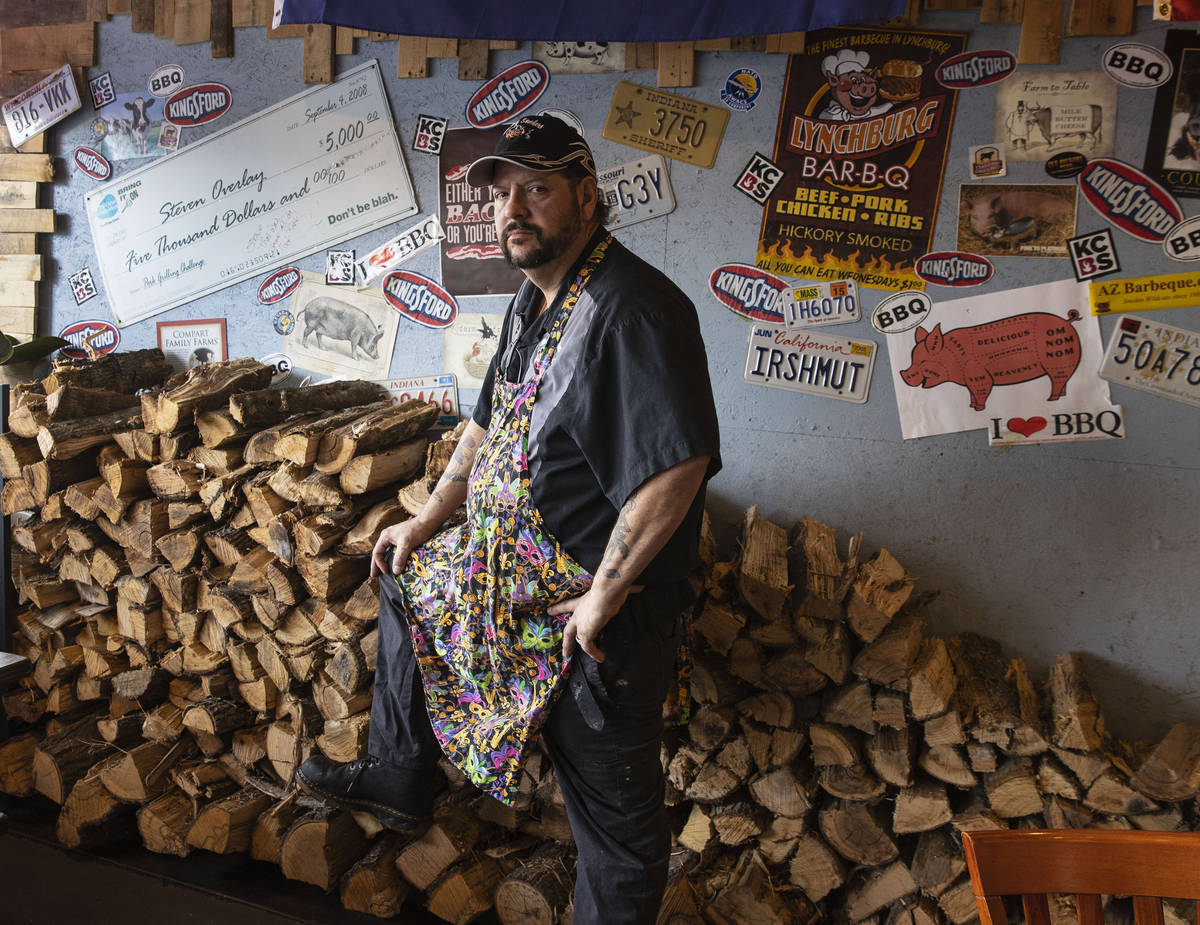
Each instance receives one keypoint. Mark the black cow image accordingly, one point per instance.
(339, 320)
(140, 124)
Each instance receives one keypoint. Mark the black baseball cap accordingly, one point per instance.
(538, 143)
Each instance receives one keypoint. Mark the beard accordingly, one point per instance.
(547, 248)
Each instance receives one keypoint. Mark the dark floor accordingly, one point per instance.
(43, 883)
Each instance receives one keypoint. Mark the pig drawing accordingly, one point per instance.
(992, 213)
(1003, 352)
(338, 320)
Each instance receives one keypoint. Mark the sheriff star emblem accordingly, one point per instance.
(627, 114)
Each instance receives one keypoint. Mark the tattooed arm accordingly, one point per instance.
(646, 521)
(450, 492)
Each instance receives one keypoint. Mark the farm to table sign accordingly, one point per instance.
(307, 173)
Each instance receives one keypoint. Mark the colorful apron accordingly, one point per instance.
(476, 595)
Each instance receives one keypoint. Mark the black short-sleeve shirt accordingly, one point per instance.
(626, 396)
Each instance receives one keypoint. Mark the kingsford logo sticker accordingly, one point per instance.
(198, 105)
(105, 338)
(507, 94)
(1129, 199)
(976, 69)
(954, 268)
(92, 162)
(419, 299)
(279, 285)
(750, 292)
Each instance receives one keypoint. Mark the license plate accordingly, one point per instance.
(637, 191)
(804, 361)
(440, 391)
(813, 305)
(1154, 357)
(36, 109)
(663, 123)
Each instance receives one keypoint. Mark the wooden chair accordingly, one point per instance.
(1032, 863)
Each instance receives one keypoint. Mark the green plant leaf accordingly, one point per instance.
(13, 352)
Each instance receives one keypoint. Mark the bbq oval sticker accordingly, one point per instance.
(507, 94)
(901, 311)
(954, 268)
(1129, 199)
(750, 292)
(92, 162)
(1139, 66)
(165, 80)
(976, 68)
(105, 338)
(419, 299)
(279, 285)
(198, 105)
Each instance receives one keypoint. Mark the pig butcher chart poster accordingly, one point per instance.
(1040, 113)
(1016, 219)
(340, 331)
(862, 140)
(1022, 352)
(472, 262)
(1173, 147)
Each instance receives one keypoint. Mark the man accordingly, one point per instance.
(555, 609)
(1017, 124)
(853, 87)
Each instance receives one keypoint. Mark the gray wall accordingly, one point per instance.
(1083, 546)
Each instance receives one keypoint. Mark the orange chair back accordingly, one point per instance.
(1086, 863)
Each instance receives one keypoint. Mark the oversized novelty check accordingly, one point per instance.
(291, 180)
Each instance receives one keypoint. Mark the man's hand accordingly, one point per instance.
(589, 615)
(405, 537)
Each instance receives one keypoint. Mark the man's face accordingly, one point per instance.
(855, 90)
(538, 215)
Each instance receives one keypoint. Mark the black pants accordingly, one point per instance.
(611, 778)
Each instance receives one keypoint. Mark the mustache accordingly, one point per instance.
(519, 226)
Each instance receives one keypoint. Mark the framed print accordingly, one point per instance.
(187, 344)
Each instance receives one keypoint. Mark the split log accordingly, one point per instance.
(833, 745)
(921, 808)
(816, 869)
(300, 441)
(47, 476)
(465, 891)
(16, 762)
(720, 624)
(827, 577)
(16, 452)
(360, 538)
(125, 371)
(538, 891)
(330, 577)
(61, 759)
(763, 574)
(1172, 771)
(1075, 714)
(454, 833)
(946, 763)
(266, 406)
(164, 823)
(176, 480)
(889, 659)
(201, 388)
(320, 847)
(890, 754)
(397, 463)
(373, 884)
(216, 716)
(985, 694)
(227, 825)
(782, 792)
(1012, 790)
(932, 681)
(217, 428)
(217, 460)
(141, 773)
(91, 817)
(68, 439)
(828, 647)
(876, 889)
(75, 401)
(880, 590)
(1110, 793)
(384, 427)
(851, 782)
(937, 861)
(855, 832)
(1029, 737)
(345, 740)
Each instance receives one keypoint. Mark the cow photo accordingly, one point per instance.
(1016, 219)
(1041, 113)
(340, 331)
(132, 126)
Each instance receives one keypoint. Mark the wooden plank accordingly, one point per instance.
(1100, 17)
(676, 64)
(18, 243)
(343, 41)
(18, 13)
(42, 49)
(17, 320)
(412, 56)
(97, 11)
(748, 43)
(220, 28)
(375, 36)
(785, 43)
(907, 19)
(501, 45)
(18, 294)
(472, 59)
(37, 167)
(193, 21)
(441, 48)
(1001, 11)
(1041, 33)
(142, 16)
(21, 267)
(18, 194)
(164, 19)
(318, 54)
(641, 56)
(23, 221)
(952, 4)
(118, 6)
(285, 32)
(248, 13)
(713, 45)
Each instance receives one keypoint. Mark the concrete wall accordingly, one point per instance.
(1083, 546)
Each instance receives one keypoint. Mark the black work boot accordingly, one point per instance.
(398, 797)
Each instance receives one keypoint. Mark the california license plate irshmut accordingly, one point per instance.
(637, 191)
(815, 304)
(805, 361)
(662, 123)
(1154, 357)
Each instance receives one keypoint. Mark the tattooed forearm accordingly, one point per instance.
(451, 487)
(618, 542)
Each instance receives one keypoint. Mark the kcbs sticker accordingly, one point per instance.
(976, 69)
(507, 94)
(954, 268)
(431, 131)
(104, 338)
(419, 299)
(1093, 255)
(92, 162)
(1139, 66)
(1183, 241)
(901, 312)
(281, 367)
(1092, 424)
(198, 105)
(750, 292)
(165, 80)
(279, 285)
(759, 177)
(1129, 199)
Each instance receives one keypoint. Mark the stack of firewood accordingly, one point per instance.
(191, 555)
